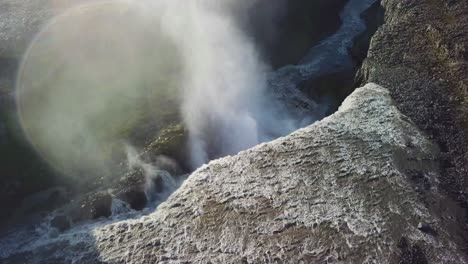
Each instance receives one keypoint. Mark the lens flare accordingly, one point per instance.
(94, 74)
(86, 80)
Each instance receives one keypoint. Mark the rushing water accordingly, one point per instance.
(330, 55)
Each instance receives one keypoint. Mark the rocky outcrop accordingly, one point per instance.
(421, 55)
(359, 186)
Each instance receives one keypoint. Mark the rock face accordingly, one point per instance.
(356, 187)
(421, 55)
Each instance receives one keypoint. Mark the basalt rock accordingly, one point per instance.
(131, 189)
(170, 142)
(338, 191)
(420, 55)
(93, 206)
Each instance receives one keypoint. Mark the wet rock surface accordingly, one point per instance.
(338, 191)
(420, 55)
(131, 190)
(135, 190)
(93, 206)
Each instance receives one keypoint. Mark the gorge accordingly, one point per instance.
(380, 180)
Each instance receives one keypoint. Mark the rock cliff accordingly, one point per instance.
(421, 55)
(359, 186)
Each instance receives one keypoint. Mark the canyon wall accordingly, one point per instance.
(421, 55)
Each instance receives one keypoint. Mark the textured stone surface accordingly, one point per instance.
(421, 55)
(352, 188)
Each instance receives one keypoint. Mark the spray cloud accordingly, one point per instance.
(99, 69)
(226, 105)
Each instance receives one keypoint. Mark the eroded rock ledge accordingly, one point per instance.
(359, 186)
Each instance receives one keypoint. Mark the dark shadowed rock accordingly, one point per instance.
(136, 198)
(419, 54)
(61, 222)
(93, 206)
(131, 189)
(426, 228)
(374, 18)
(410, 254)
(169, 142)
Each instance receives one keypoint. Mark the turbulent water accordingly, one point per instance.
(330, 55)
(240, 119)
(250, 116)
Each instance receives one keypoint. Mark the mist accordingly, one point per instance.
(226, 103)
(99, 70)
